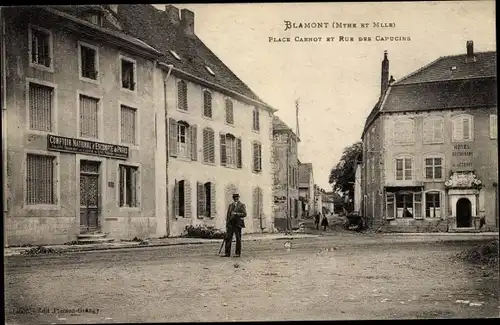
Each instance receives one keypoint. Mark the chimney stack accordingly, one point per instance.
(384, 83)
(172, 14)
(187, 21)
(470, 52)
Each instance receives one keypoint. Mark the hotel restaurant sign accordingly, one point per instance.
(57, 143)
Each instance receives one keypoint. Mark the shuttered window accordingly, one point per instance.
(89, 121)
(182, 199)
(40, 47)
(403, 132)
(257, 158)
(182, 95)
(41, 100)
(433, 168)
(462, 128)
(493, 126)
(40, 179)
(256, 119)
(404, 169)
(182, 139)
(129, 183)
(206, 200)
(229, 112)
(433, 130)
(208, 145)
(201, 200)
(257, 204)
(128, 125)
(172, 137)
(207, 104)
(230, 150)
(194, 142)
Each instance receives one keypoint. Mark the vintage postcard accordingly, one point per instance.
(249, 161)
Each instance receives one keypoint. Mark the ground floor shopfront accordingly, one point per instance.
(59, 188)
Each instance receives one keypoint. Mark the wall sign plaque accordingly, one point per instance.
(71, 145)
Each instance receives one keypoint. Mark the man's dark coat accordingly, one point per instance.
(240, 213)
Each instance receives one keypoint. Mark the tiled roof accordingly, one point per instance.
(278, 124)
(454, 67)
(372, 114)
(154, 27)
(305, 171)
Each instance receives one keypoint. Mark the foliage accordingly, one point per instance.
(40, 250)
(481, 254)
(342, 176)
(204, 231)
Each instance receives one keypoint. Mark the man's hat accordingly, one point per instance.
(236, 195)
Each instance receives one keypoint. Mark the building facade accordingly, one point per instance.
(287, 208)
(78, 146)
(214, 134)
(307, 191)
(435, 138)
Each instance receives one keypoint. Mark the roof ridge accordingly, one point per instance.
(445, 80)
(411, 74)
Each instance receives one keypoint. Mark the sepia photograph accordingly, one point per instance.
(230, 162)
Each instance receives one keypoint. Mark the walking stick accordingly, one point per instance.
(221, 245)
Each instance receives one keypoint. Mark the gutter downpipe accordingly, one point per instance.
(165, 80)
(4, 116)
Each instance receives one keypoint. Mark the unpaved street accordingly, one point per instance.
(324, 278)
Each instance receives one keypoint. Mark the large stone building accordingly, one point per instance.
(287, 207)
(77, 108)
(214, 134)
(430, 147)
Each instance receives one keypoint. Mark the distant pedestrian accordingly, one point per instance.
(236, 211)
(316, 220)
(324, 222)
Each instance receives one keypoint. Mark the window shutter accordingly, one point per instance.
(187, 199)
(133, 187)
(261, 203)
(493, 126)
(182, 95)
(417, 205)
(223, 158)
(229, 112)
(207, 104)
(194, 142)
(428, 130)
(466, 128)
(389, 199)
(213, 205)
(201, 200)
(176, 199)
(259, 151)
(254, 156)
(438, 134)
(206, 145)
(255, 203)
(172, 140)
(40, 106)
(457, 129)
(239, 161)
(257, 122)
(441, 205)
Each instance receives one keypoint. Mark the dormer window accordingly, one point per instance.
(175, 55)
(94, 18)
(210, 70)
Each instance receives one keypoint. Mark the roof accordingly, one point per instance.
(305, 170)
(279, 125)
(154, 27)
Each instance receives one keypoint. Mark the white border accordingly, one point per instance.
(100, 116)
(121, 58)
(137, 126)
(138, 184)
(51, 49)
(54, 108)
(57, 181)
(96, 81)
(102, 190)
(443, 169)
(471, 127)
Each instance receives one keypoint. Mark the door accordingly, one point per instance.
(89, 196)
(464, 213)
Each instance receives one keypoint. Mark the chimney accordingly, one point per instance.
(187, 21)
(172, 14)
(470, 52)
(384, 83)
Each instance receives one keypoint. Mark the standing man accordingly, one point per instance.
(236, 211)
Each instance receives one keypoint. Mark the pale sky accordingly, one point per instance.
(338, 83)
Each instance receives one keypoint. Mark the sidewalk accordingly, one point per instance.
(154, 242)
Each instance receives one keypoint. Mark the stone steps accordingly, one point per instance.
(93, 238)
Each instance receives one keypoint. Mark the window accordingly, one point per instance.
(40, 179)
(206, 200)
(493, 126)
(207, 104)
(128, 127)
(182, 95)
(433, 205)
(404, 169)
(128, 74)
(88, 62)
(230, 150)
(462, 128)
(128, 186)
(433, 168)
(257, 156)
(40, 47)
(403, 131)
(229, 112)
(182, 199)
(256, 122)
(257, 203)
(372, 136)
(95, 18)
(389, 199)
(208, 145)
(433, 130)
(373, 168)
(404, 205)
(210, 70)
(182, 139)
(89, 121)
(41, 100)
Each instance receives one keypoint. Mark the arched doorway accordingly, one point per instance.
(464, 213)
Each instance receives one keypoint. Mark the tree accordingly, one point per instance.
(343, 175)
